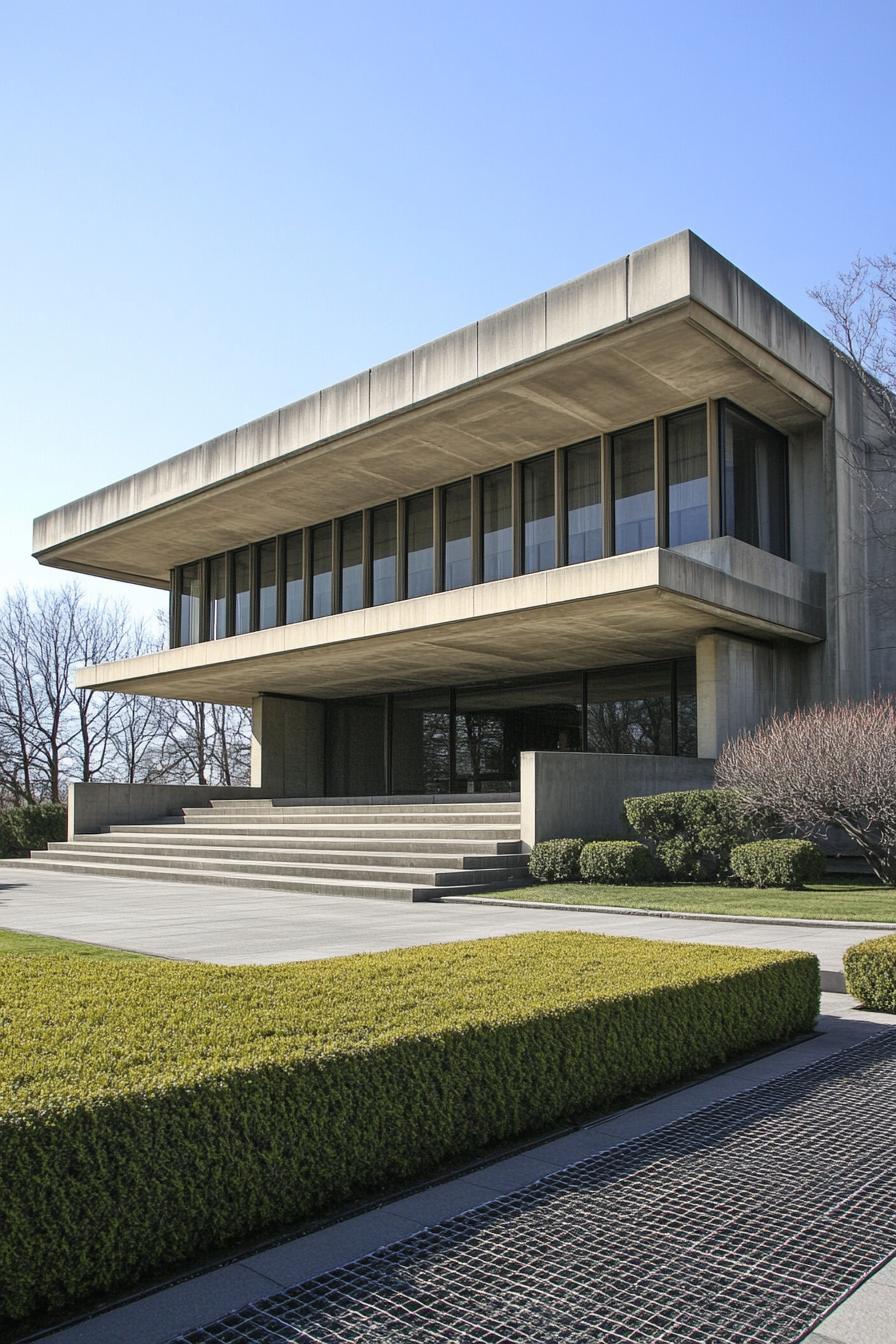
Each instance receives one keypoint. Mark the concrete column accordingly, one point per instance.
(735, 688)
(288, 747)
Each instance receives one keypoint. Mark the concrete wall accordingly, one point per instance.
(94, 807)
(287, 747)
(742, 681)
(582, 793)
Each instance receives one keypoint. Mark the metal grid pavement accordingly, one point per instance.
(743, 1223)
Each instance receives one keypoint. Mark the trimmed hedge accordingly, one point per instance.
(691, 832)
(870, 970)
(617, 862)
(150, 1111)
(31, 826)
(777, 863)
(556, 860)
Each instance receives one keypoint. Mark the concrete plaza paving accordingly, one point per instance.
(235, 925)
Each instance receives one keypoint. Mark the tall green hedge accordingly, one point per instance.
(31, 826)
(153, 1110)
(692, 832)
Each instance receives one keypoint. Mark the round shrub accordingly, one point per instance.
(870, 970)
(777, 863)
(617, 862)
(556, 860)
(693, 831)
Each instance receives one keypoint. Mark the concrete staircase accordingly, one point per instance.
(387, 849)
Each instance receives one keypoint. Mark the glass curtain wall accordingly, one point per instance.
(458, 534)
(687, 480)
(539, 516)
(242, 591)
(294, 577)
(322, 570)
(351, 586)
(267, 585)
(385, 554)
(584, 505)
(497, 525)
(420, 554)
(754, 481)
(634, 511)
(630, 710)
(189, 604)
(217, 597)
(421, 742)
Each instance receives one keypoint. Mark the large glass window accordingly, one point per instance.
(418, 528)
(242, 591)
(421, 742)
(322, 570)
(584, 507)
(385, 560)
(497, 525)
(754, 481)
(217, 597)
(294, 562)
(539, 522)
(634, 514)
(687, 477)
(188, 604)
(458, 538)
(493, 724)
(630, 710)
(352, 577)
(267, 585)
(686, 706)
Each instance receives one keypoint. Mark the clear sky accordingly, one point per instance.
(210, 209)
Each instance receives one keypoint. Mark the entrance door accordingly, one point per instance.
(494, 724)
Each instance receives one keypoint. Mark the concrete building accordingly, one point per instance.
(569, 549)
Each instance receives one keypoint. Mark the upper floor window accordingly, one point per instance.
(584, 503)
(294, 577)
(322, 570)
(189, 596)
(242, 591)
(352, 556)
(385, 554)
(217, 597)
(458, 544)
(267, 585)
(497, 525)
(754, 480)
(419, 552)
(634, 504)
(539, 525)
(687, 477)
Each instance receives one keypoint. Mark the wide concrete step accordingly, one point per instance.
(221, 877)
(416, 875)
(410, 802)
(392, 844)
(323, 831)
(298, 815)
(410, 857)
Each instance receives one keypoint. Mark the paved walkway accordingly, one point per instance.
(233, 925)
(747, 1221)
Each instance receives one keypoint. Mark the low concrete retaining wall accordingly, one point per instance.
(570, 793)
(93, 807)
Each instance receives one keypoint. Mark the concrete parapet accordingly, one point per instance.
(92, 808)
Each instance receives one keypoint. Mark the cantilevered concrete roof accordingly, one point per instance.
(653, 332)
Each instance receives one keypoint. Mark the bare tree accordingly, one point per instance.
(830, 765)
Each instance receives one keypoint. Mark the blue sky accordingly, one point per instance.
(211, 209)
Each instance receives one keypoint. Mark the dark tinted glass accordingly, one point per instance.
(539, 522)
(217, 597)
(754, 476)
(630, 710)
(385, 536)
(352, 584)
(295, 584)
(421, 742)
(419, 545)
(497, 526)
(633, 489)
(493, 724)
(242, 591)
(458, 541)
(267, 585)
(188, 599)
(584, 512)
(322, 570)
(686, 477)
(686, 706)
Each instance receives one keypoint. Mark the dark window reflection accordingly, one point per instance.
(322, 571)
(419, 545)
(421, 745)
(352, 578)
(385, 537)
(584, 510)
(295, 585)
(754, 476)
(497, 525)
(686, 477)
(458, 541)
(633, 489)
(630, 710)
(686, 696)
(493, 724)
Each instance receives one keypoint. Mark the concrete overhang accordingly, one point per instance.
(624, 609)
(654, 332)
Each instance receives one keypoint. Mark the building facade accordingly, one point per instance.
(616, 520)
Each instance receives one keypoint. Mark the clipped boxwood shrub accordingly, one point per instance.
(870, 971)
(31, 826)
(617, 862)
(556, 860)
(153, 1110)
(777, 863)
(692, 832)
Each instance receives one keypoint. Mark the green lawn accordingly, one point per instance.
(844, 899)
(13, 944)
